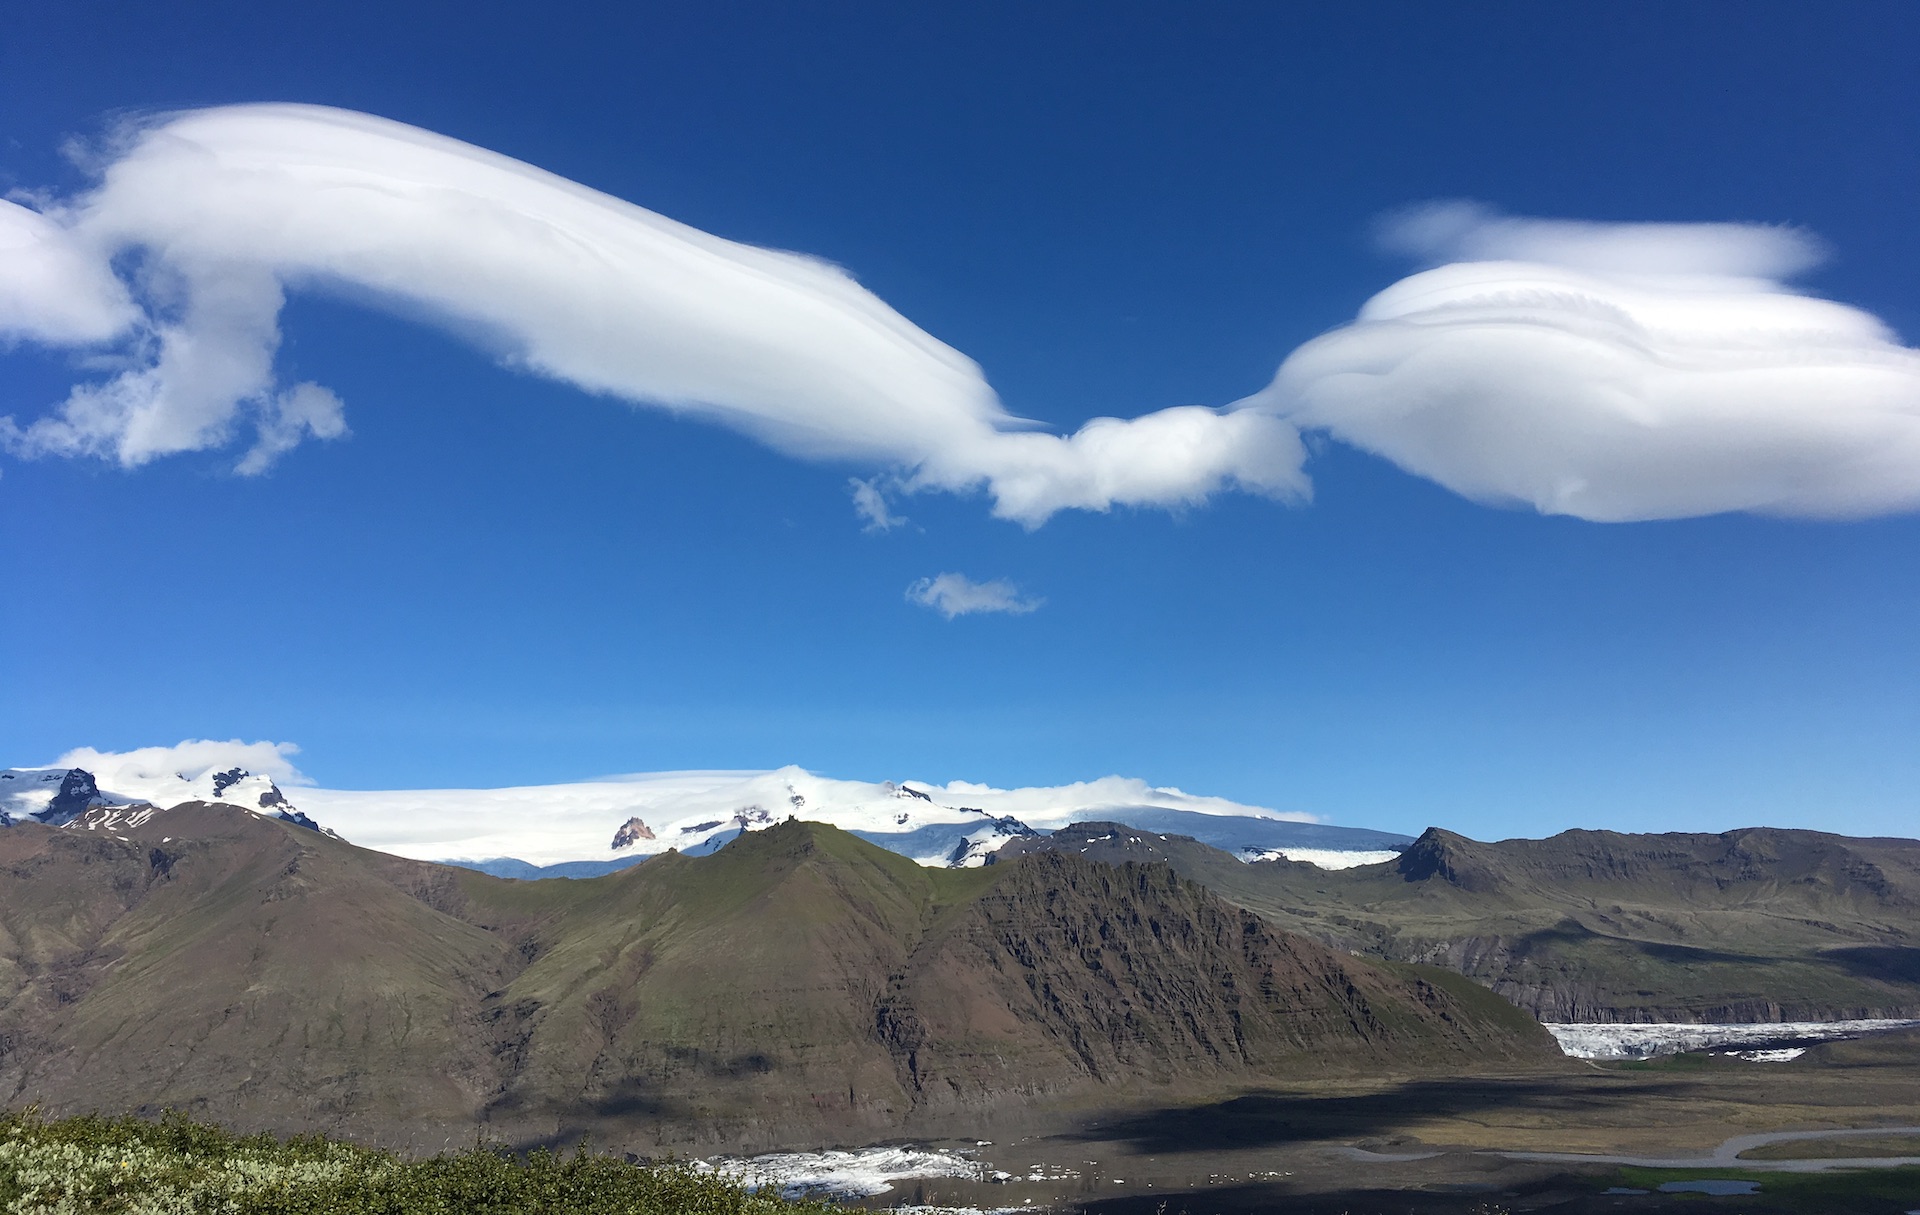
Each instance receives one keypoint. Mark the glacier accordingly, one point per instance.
(585, 828)
(1760, 1042)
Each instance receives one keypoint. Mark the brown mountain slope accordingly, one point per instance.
(1759, 924)
(227, 965)
(800, 983)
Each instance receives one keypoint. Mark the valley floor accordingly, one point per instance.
(1447, 1145)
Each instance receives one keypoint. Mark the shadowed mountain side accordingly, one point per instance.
(1758, 924)
(800, 983)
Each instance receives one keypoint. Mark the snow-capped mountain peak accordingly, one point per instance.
(109, 800)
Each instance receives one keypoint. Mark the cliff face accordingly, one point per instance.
(800, 982)
(1758, 924)
(1068, 972)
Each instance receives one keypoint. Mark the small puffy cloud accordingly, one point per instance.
(286, 418)
(194, 758)
(958, 595)
(1617, 372)
(1170, 458)
(225, 209)
(870, 503)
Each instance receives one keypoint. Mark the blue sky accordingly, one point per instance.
(501, 578)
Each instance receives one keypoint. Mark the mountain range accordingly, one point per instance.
(799, 981)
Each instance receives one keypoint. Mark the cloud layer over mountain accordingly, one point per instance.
(191, 759)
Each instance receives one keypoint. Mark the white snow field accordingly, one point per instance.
(1598, 1041)
(696, 811)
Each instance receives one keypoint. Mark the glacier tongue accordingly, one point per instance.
(1765, 1041)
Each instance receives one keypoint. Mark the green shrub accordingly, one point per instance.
(127, 1166)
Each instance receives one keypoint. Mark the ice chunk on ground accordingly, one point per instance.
(860, 1173)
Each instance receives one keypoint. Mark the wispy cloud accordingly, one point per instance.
(871, 504)
(958, 595)
(225, 209)
(1617, 372)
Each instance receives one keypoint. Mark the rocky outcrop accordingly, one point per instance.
(222, 781)
(631, 832)
(77, 794)
(1444, 856)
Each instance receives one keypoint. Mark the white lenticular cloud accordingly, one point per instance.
(958, 595)
(53, 288)
(1607, 371)
(226, 209)
(1617, 372)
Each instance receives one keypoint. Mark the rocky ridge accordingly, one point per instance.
(1752, 925)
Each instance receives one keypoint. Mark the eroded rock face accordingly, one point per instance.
(222, 781)
(77, 794)
(631, 832)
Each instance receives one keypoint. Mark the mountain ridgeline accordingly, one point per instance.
(799, 983)
(1751, 925)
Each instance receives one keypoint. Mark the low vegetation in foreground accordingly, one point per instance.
(127, 1166)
